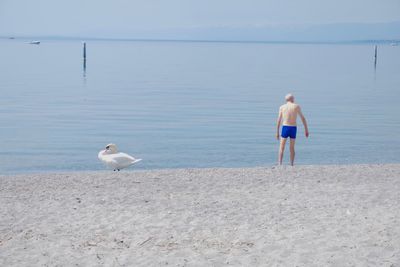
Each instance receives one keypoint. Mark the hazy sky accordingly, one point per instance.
(103, 18)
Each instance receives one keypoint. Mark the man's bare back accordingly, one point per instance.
(289, 113)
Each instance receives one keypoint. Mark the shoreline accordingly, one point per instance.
(141, 170)
(306, 215)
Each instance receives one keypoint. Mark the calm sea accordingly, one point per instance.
(188, 104)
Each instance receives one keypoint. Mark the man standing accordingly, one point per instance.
(287, 117)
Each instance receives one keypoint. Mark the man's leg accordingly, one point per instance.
(292, 152)
(281, 150)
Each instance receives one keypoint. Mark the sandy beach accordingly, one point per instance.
(290, 216)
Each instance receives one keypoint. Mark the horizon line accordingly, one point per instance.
(127, 39)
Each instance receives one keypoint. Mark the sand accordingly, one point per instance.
(290, 216)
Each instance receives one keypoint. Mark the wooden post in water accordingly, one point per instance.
(376, 55)
(84, 57)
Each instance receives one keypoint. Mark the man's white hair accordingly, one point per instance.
(289, 97)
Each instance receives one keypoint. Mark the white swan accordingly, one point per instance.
(114, 159)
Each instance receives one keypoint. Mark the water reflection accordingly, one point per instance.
(84, 67)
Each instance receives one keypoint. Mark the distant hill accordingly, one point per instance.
(301, 33)
(337, 32)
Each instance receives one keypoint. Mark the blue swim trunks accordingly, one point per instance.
(289, 131)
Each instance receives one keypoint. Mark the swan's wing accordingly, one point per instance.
(122, 156)
(123, 159)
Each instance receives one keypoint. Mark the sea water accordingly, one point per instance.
(193, 104)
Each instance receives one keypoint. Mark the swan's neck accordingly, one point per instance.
(103, 153)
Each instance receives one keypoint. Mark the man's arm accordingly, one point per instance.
(278, 123)
(303, 119)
